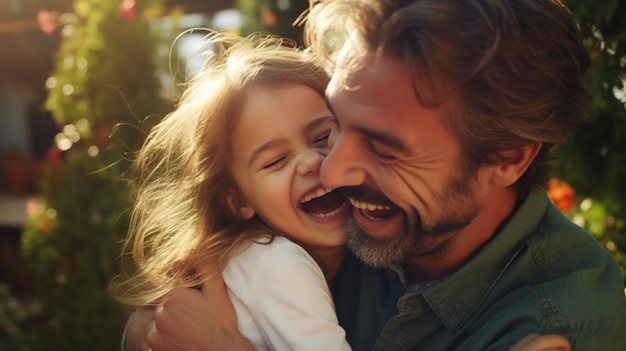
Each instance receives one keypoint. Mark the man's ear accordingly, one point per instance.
(516, 163)
(238, 206)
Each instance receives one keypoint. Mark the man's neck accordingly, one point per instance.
(328, 258)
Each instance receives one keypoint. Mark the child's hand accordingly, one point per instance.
(536, 342)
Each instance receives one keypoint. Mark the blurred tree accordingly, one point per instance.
(105, 76)
(593, 162)
(273, 16)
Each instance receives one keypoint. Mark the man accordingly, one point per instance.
(446, 111)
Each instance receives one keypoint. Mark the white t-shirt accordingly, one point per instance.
(282, 299)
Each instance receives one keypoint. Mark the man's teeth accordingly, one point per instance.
(367, 206)
(319, 193)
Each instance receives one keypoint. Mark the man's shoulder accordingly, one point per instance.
(577, 289)
(560, 281)
(559, 248)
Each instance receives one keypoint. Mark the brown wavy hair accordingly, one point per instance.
(514, 72)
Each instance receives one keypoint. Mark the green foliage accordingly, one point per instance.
(71, 241)
(104, 81)
(599, 220)
(12, 317)
(593, 161)
(105, 66)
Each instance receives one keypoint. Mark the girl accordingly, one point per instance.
(229, 182)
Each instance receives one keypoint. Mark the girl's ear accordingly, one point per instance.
(238, 206)
(518, 162)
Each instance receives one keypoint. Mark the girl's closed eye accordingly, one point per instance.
(274, 163)
(322, 140)
(320, 143)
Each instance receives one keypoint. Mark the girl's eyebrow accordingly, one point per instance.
(259, 150)
(318, 121)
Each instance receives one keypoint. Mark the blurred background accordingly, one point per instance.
(83, 81)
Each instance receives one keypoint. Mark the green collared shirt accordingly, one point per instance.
(540, 274)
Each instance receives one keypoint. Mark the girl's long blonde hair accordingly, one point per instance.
(182, 228)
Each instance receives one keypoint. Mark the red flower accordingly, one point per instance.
(48, 21)
(102, 137)
(562, 194)
(53, 156)
(45, 226)
(128, 10)
(269, 17)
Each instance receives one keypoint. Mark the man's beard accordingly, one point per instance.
(458, 207)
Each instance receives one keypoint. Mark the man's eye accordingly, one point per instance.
(274, 163)
(378, 153)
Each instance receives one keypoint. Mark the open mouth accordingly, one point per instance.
(324, 203)
(374, 212)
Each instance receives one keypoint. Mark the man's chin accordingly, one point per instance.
(374, 251)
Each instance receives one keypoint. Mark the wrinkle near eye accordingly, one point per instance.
(385, 139)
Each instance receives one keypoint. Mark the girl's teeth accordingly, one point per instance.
(318, 193)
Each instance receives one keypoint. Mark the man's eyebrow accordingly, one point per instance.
(385, 138)
(388, 139)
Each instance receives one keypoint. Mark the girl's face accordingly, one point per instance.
(278, 145)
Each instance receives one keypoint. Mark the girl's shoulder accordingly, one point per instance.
(269, 262)
(271, 245)
(271, 255)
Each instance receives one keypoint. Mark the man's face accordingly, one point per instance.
(399, 165)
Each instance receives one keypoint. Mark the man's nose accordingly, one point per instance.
(344, 165)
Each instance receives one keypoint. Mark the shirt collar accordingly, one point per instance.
(455, 297)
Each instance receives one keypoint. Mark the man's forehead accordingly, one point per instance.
(366, 69)
(350, 71)
(348, 62)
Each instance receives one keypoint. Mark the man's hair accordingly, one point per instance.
(514, 72)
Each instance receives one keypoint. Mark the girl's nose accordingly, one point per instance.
(309, 161)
